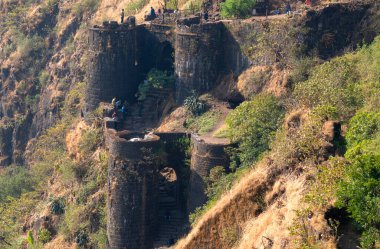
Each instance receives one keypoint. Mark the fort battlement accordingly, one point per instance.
(122, 55)
(133, 180)
(204, 156)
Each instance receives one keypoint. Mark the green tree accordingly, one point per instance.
(359, 192)
(252, 125)
(237, 8)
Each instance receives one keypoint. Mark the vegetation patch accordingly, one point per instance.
(253, 124)
(155, 79)
(238, 9)
(203, 123)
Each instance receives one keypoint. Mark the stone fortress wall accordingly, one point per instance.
(133, 174)
(132, 190)
(122, 55)
(204, 156)
(120, 58)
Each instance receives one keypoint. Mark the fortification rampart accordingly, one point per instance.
(198, 57)
(204, 157)
(132, 190)
(122, 55)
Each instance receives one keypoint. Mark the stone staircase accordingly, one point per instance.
(171, 218)
(147, 113)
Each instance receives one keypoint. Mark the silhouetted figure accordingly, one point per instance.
(288, 8)
(123, 111)
(118, 104)
(152, 13)
(205, 15)
(122, 16)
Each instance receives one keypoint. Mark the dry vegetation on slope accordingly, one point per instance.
(288, 198)
(43, 60)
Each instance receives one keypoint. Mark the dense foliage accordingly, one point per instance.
(155, 79)
(253, 124)
(237, 8)
(194, 105)
(351, 85)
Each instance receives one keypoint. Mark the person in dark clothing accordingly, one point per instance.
(152, 12)
(288, 8)
(205, 15)
(122, 16)
(118, 104)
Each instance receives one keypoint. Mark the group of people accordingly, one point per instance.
(160, 13)
(119, 107)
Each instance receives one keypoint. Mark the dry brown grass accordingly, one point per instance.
(60, 243)
(232, 211)
(260, 209)
(73, 139)
(263, 78)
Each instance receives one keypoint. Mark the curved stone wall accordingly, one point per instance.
(132, 190)
(113, 68)
(204, 156)
(197, 57)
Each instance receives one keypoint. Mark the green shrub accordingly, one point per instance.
(90, 140)
(172, 4)
(323, 190)
(363, 126)
(194, 105)
(332, 84)
(203, 123)
(81, 238)
(30, 238)
(14, 181)
(359, 189)
(253, 124)
(359, 192)
(29, 45)
(155, 79)
(44, 235)
(57, 206)
(75, 219)
(237, 8)
(302, 68)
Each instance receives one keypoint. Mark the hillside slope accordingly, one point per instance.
(54, 166)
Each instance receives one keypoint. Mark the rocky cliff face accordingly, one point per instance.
(42, 57)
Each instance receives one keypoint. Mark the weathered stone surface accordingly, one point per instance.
(132, 191)
(204, 156)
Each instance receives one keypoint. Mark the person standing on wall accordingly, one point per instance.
(152, 13)
(122, 16)
(205, 15)
(288, 8)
